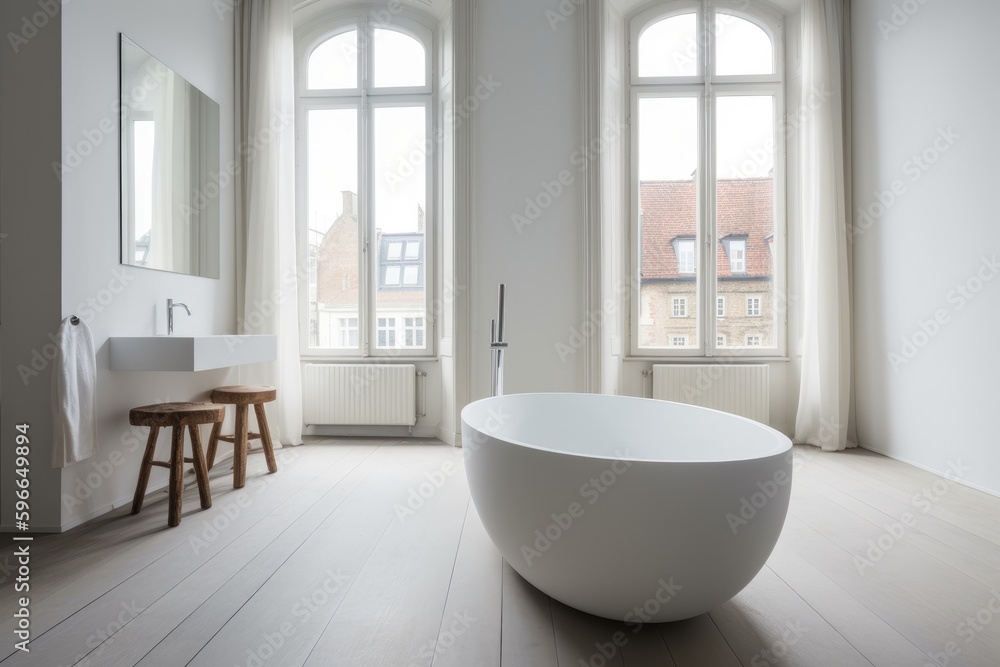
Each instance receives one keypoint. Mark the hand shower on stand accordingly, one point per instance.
(497, 344)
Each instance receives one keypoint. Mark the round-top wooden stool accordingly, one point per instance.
(177, 416)
(243, 396)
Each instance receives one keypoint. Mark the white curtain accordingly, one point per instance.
(825, 391)
(266, 201)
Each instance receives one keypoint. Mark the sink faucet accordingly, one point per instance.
(170, 314)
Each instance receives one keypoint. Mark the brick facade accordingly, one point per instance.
(337, 275)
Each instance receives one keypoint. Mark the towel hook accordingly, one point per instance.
(74, 320)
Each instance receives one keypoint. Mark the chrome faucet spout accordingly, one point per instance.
(170, 314)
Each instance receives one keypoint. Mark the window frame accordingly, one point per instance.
(706, 87)
(366, 99)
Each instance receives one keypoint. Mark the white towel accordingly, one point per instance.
(74, 395)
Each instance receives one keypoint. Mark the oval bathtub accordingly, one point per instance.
(633, 509)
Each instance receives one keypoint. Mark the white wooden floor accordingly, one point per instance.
(316, 565)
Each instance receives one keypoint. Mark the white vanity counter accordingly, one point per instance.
(190, 353)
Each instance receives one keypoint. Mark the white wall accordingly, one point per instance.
(197, 42)
(937, 71)
(526, 133)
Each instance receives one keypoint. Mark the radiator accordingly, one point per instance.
(740, 389)
(359, 394)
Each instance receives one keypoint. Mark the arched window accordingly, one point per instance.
(365, 174)
(707, 178)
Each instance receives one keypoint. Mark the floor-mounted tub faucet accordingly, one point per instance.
(170, 314)
(497, 344)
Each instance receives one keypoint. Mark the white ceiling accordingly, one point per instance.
(788, 7)
(439, 8)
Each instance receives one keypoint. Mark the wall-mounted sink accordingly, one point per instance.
(190, 353)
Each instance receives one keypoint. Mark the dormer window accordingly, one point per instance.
(684, 250)
(401, 262)
(736, 250)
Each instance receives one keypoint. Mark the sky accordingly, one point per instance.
(668, 139)
(399, 152)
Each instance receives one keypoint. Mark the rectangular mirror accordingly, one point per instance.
(169, 155)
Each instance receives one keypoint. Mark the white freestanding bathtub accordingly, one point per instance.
(633, 509)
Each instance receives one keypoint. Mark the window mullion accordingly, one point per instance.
(367, 278)
(708, 219)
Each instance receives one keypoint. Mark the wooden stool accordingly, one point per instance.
(243, 396)
(177, 416)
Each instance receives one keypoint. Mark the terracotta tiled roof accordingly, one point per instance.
(745, 209)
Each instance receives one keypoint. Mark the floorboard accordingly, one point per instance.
(370, 552)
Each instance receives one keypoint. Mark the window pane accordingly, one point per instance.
(741, 47)
(334, 268)
(400, 187)
(670, 47)
(399, 60)
(745, 219)
(668, 210)
(411, 273)
(334, 63)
